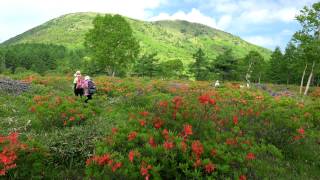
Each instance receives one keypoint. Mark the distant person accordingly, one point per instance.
(78, 83)
(217, 84)
(89, 88)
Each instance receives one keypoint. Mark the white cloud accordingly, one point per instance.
(224, 22)
(268, 15)
(19, 14)
(193, 16)
(197, 17)
(269, 42)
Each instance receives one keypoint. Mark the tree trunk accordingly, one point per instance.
(248, 75)
(259, 78)
(113, 73)
(304, 73)
(309, 79)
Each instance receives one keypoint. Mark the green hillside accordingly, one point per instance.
(171, 39)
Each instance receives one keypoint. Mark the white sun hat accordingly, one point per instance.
(87, 78)
(78, 73)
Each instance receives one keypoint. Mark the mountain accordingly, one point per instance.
(171, 39)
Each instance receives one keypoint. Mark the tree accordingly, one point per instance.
(147, 65)
(199, 67)
(290, 64)
(254, 66)
(172, 68)
(111, 44)
(226, 65)
(308, 38)
(2, 61)
(274, 69)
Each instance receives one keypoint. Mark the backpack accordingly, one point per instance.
(92, 87)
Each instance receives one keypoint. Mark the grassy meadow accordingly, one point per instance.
(141, 128)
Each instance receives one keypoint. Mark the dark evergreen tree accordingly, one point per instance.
(226, 66)
(147, 65)
(274, 69)
(200, 67)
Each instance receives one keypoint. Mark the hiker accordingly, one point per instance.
(217, 84)
(89, 88)
(78, 82)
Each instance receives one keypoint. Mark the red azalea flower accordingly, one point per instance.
(32, 109)
(204, 99)
(250, 156)
(114, 130)
(116, 166)
(142, 122)
(104, 159)
(144, 171)
(231, 141)
(213, 152)
(187, 129)
(301, 131)
(2, 172)
(177, 101)
(132, 136)
(197, 163)
(168, 145)
(163, 104)
(242, 177)
(197, 148)
(235, 120)
(13, 137)
(165, 134)
(158, 123)
(72, 118)
(209, 168)
(212, 101)
(296, 138)
(144, 113)
(131, 156)
(151, 142)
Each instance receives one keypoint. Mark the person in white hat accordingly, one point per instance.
(78, 82)
(89, 88)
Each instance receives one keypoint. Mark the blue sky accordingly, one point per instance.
(268, 23)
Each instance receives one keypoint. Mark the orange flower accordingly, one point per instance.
(209, 168)
(32, 109)
(168, 145)
(72, 118)
(114, 130)
(116, 166)
(187, 129)
(142, 122)
(144, 113)
(165, 134)
(152, 142)
(132, 136)
(213, 152)
(197, 148)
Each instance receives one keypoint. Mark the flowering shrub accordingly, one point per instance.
(60, 111)
(189, 137)
(9, 145)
